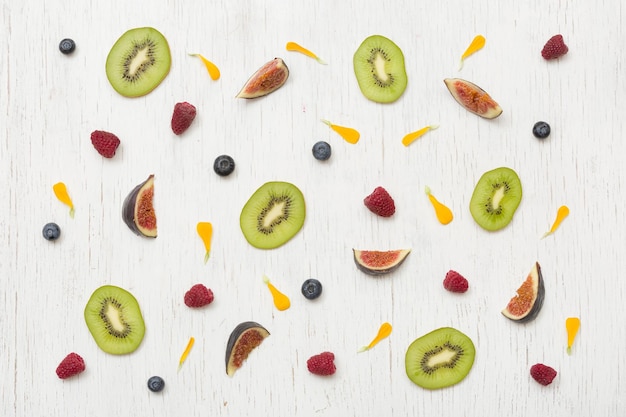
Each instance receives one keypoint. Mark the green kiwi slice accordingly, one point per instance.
(496, 196)
(138, 62)
(273, 215)
(440, 358)
(379, 69)
(114, 319)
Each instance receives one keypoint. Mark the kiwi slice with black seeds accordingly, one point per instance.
(496, 197)
(440, 358)
(114, 319)
(138, 62)
(379, 69)
(273, 215)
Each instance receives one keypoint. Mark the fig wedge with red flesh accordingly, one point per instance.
(138, 209)
(374, 262)
(473, 98)
(527, 303)
(267, 79)
(243, 339)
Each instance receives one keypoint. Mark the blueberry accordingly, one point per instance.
(224, 165)
(51, 231)
(311, 288)
(321, 151)
(541, 130)
(156, 384)
(67, 46)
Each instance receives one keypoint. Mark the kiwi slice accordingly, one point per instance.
(273, 215)
(440, 358)
(138, 62)
(495, 199)
(114, 319)
(379, 69)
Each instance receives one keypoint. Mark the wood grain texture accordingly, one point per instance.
(49, 104)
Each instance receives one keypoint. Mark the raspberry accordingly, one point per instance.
(554, 48)
(184, 113)
(322, 364)
(72, 365)
(380, 202)
(106, 143)
(542, 373)
(455, 282)
(198, 296)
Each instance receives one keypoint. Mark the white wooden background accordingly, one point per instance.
(50, 103)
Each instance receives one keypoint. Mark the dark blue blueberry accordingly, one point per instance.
(541, 130)
(224, 165)
(156, 384)
(51, 231)
(321, 151)
(67, 46)
(311, 288)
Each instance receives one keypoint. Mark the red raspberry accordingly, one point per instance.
(380, 202)
(455, 282)
(322, 364)
(72, 365)
(106, 143)
(198, 296)
(184, 113)
(542, 373)
(554, 48)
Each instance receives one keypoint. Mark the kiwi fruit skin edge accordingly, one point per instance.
(505, 185)
(119, 341)
(454, 345)
(380, 70)
(148, 74)
(280, 203)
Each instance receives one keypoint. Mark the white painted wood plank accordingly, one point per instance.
(50, 103)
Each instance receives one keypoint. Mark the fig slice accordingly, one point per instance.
(138, 209)
(243, 339)
(374, 262)
(473, 98)
(527, 303)
(267, 79)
